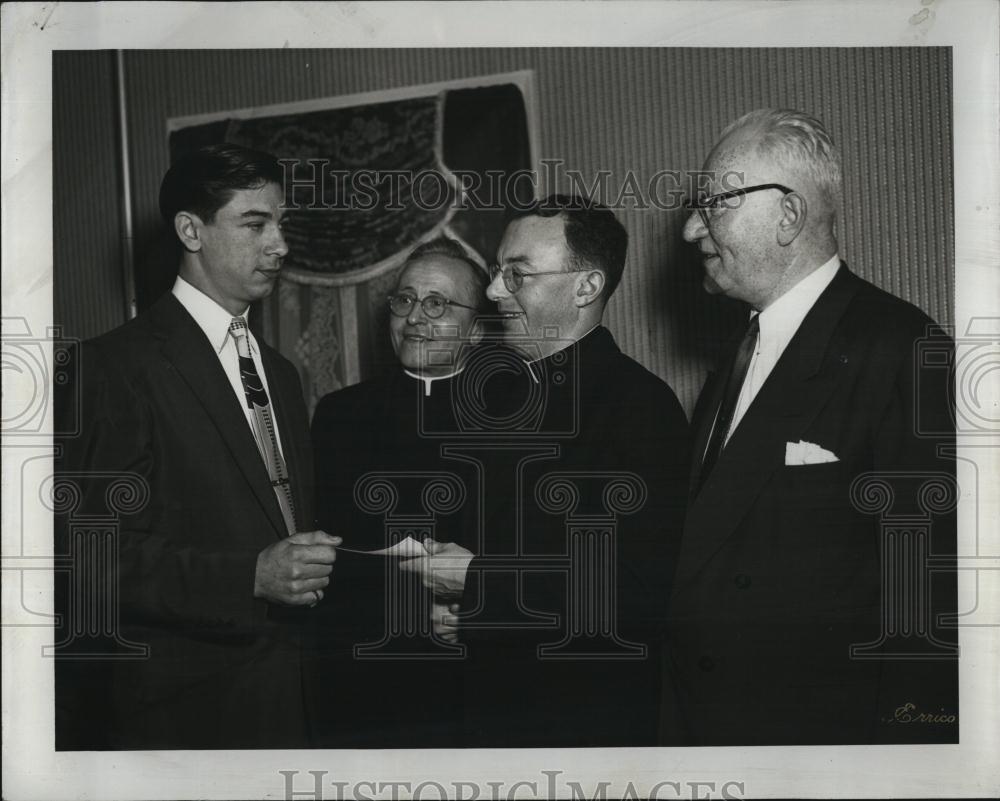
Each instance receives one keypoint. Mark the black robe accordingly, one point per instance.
(598, 443)
(517, 441)
(404, 692)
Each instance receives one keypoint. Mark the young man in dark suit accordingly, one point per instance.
(210, 426)
(796, 617)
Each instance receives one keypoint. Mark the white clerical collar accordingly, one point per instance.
(529, 362)
(430, 379)
(210, 316)
(780, 320)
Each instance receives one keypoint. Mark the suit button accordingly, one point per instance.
(742, 581)
(706, 663)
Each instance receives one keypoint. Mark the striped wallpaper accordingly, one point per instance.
(639, 110)
(88, 292)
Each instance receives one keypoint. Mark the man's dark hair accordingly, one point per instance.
(453, 249)
(204, 180)
(595, 238)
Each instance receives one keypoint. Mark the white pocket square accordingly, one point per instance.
(802, 452)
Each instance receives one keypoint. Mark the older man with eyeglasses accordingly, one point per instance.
(390, 430)
(795, 618)
(561, 600)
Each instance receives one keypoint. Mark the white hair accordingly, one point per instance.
(800, 141)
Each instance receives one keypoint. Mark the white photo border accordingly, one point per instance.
(31, 31)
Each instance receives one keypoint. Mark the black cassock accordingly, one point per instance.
(380, 681)
(572, 473)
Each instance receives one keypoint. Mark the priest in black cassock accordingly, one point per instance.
(384, 679)
(559, 590)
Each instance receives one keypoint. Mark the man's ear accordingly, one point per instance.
(589, 286)
(476, 332)
(188, 229)
(793, 219)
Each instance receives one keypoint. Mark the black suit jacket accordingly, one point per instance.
(781, 567)
(224, 668)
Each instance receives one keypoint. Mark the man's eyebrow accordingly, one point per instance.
(257, 213)
(517, 260)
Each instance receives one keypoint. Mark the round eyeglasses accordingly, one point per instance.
(433, 305)
(513, 278)
(728, 200)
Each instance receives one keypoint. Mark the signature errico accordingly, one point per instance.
(908, 713)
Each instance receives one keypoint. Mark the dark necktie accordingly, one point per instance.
(263, 423)
(734, 383)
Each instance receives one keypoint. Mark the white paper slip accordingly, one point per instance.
(405, 549)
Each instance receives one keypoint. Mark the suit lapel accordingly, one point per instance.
(185, 346)
(787, 403)
(704, 414)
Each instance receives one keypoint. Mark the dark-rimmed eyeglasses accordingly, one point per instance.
(402, 303)
(513, 278)
(732, 199)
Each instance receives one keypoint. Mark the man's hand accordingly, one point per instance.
(443, 570)
(295, 570)
(444, 622)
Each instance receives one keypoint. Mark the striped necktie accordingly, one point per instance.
(263, 422)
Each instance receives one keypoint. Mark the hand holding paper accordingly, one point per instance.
(444, 622)
(295, 570)
(442, 569)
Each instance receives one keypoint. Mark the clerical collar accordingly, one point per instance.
(430, 379)
(529, 362)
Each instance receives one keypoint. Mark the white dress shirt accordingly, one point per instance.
(214, 321)
(778, 324)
